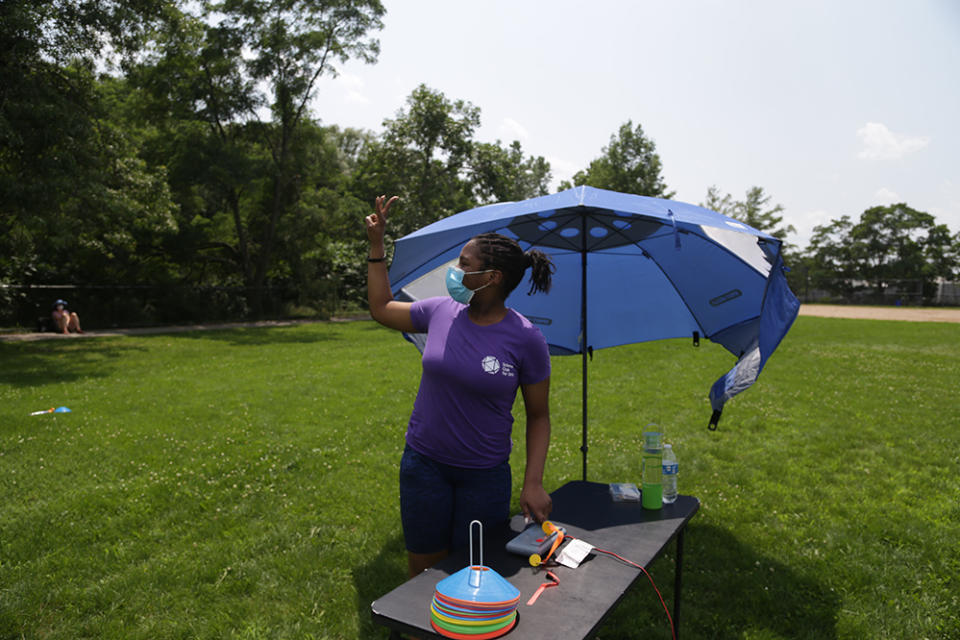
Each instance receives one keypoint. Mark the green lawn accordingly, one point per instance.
(242, 483)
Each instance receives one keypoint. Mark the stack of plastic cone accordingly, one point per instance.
(476, 603)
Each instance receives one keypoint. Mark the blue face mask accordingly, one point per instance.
(455, 287)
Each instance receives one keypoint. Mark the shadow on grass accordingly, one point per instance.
(730, 590)
(733, 588)
(32, 364)
(375, 578)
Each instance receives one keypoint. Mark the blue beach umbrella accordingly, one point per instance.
(629, 269)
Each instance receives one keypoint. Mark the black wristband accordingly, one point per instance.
(377, 259)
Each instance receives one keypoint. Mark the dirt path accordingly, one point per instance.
(155, 330)
(911, 314)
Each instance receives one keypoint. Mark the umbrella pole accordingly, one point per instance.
(583, 345)
(583, 445)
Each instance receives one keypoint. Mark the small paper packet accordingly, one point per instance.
(574, 553)
(624, 492)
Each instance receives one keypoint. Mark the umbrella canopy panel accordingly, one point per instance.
(628, 269)
(649, 275)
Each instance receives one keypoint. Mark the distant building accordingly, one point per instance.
(948, 293)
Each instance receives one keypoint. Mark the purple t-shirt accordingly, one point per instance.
(471, 373)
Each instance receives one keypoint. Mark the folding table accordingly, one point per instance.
(585, 596)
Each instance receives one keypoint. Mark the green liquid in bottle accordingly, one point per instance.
(651, 487)
(652, 496)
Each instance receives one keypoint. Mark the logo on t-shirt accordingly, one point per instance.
(491, 365)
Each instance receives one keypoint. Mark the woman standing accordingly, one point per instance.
(455, 466)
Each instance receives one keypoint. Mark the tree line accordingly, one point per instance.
(162, 158)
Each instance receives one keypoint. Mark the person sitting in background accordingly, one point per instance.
(65, 320)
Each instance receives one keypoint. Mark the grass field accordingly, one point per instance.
(242, 483)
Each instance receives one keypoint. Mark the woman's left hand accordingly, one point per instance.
(376, 223)
(535, 502)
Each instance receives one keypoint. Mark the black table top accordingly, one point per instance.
(585, 595)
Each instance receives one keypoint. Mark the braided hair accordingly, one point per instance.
(505, 255)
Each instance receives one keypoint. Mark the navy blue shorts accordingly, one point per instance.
(438, 501)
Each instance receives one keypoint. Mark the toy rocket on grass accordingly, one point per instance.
(51, 410)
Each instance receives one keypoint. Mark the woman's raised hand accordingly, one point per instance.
(377, 222)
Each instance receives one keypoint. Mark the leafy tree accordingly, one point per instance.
(941, 253)
(719, 202)
(232, 63)
(325, 227)
(504, 174)
(423, 156)
(428, 156)
(78, 204)
(629, 164)
(754, 209)
(887, 244)
(829, 259)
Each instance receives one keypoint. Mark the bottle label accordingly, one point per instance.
(670, 468)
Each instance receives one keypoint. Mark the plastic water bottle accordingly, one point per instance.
(670, 470)
(651, 487)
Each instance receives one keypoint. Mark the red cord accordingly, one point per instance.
(673, 631)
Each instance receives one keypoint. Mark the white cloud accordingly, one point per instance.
(561, 170)
(887, 196)
(804, 224)
(355, 97)
(879, 143)
(947, 211)
(511, 130)
(352, 87)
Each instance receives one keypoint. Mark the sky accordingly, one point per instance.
(831, 107)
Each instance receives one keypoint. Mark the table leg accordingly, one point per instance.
(678, 571)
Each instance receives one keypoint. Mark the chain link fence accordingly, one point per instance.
(905, 292)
